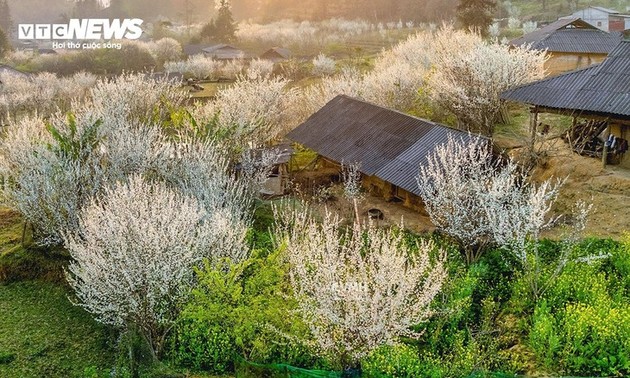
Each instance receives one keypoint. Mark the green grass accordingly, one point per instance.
(43, 335)
(210, 89)
(10, 231)
(19, 262)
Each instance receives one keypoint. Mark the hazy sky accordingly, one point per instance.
(49, 11)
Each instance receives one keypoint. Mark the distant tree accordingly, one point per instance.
(118, 8)
(476, 14)
(224, 25)
(86, 8)
(468, 81)
(573, 5)
(5, 45)
(208, 31)
(6, 22)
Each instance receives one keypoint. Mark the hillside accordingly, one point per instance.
(550, 10)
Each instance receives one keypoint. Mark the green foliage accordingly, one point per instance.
(72, 145)
(135, 359)
(465, 337)
(398, 361)
(582, 326)
(476, 14)
(241, 311)
(223, 28)
(43, 335)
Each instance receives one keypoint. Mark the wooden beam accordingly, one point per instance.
(605, 151)
(533, 126)
(587, 115)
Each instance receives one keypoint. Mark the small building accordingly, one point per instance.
(603, 18)
(223, 52)
(278, 181)
(276, 54)
(571, 43)
(195, 49)
(389, 146)
(599, 93)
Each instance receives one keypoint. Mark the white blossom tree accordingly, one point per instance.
(165, 50)
(451, 182)
(197, 66)
(51, 168)
(358, 288)
(480, 202)
(323, 65)
(259, 68)
(468, 80)
(253, 112)
(133, 255)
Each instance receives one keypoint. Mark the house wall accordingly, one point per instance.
(594, 17)
(616, 23)
(387, 190)
(622, 131)
(565, 62)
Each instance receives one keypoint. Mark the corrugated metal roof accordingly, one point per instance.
(606, 10)
(570, 35)
(603, 88)
(276, 52)
(388, 144)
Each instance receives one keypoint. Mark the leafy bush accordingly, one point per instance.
(242, 311)
(394, 361)
(470, 331)
(582, 326)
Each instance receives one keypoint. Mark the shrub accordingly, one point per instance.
(323, 65)
(398, 361)
(582, 325)
(241, 311)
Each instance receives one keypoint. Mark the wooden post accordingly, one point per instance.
(605, 151)
(533, 127)
(570, 134)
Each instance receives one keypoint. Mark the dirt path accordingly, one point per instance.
(608, 189)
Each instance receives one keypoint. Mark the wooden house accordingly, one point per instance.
(223, 52)
(389, 146)
(571, 44)
(600, 93)
(276, 54)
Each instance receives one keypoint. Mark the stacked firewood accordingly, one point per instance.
(583, 137)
